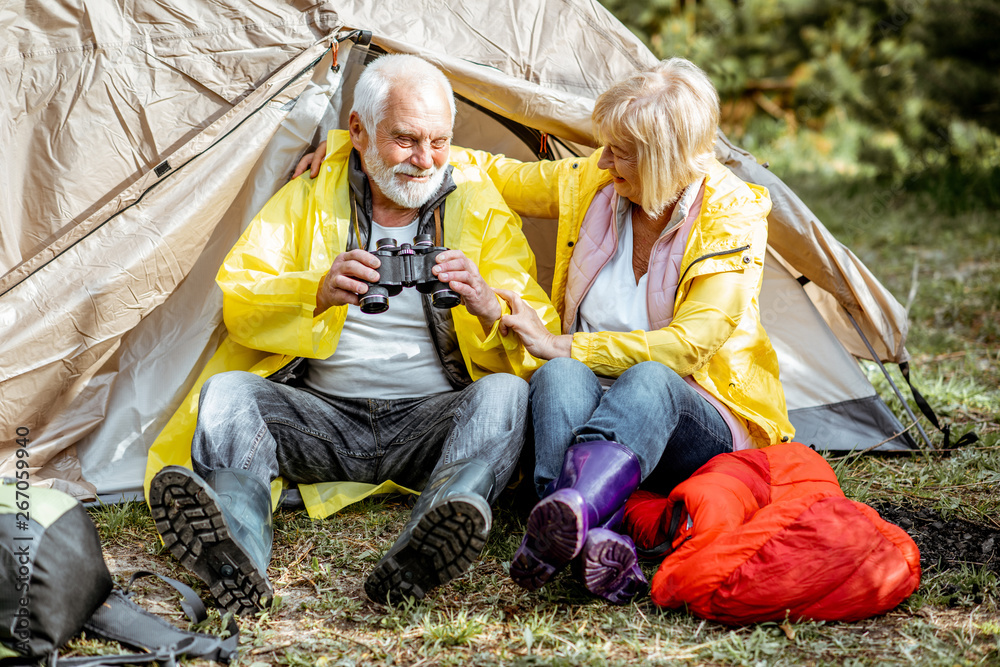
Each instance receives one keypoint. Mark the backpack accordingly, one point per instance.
(54, 583)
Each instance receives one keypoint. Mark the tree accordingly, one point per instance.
(920, 77)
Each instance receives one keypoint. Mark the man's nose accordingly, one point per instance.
(422, 156)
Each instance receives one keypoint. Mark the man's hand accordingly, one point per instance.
(462, 276)
(311, 161)
(343, 282)
(538, 340)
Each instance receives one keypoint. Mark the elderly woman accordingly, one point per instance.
(663, 362)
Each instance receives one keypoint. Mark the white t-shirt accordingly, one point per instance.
(615, 302)
(386, 355)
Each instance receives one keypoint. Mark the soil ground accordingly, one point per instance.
(946, 544)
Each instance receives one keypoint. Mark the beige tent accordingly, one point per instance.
(138, 139)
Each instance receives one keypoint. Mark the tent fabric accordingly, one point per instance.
(840, 281)
(100, 279)
(767, 535)
(140, 138)
(830, 401)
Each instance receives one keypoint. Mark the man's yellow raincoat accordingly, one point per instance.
(269, 282)
(714, 332)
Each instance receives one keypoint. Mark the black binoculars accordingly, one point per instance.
(407, 265)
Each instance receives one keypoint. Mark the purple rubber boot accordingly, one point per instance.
(609, 567)
(596, 479)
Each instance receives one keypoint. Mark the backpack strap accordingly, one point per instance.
(121, 620)
(192, 605)
(164, 658)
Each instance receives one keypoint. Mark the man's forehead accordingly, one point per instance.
(403, 128)
(423, 109)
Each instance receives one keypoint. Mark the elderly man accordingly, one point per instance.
(429, 397)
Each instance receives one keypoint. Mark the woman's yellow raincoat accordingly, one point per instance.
(714, 333)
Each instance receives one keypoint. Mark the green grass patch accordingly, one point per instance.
(125, 523)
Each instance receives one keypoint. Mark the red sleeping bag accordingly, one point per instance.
(765, 534)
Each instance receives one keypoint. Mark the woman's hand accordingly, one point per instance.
(311, 161)
(524, 321)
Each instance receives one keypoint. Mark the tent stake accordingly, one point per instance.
(885, 372)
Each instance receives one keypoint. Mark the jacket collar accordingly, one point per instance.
(362, 194)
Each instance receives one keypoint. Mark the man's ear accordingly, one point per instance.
(359, 136)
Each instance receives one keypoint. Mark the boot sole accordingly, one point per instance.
(555, 535)
(444, 544)
(194, 531)
(608, 567)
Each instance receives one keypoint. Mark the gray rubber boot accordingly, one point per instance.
(446, 533)
(219, 528)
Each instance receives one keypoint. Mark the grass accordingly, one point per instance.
(323, 618)
(945, 265)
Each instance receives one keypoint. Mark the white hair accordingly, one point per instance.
(371, 94)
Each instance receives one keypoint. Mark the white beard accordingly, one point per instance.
(408, 194)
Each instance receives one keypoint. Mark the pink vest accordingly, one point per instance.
(596, 245)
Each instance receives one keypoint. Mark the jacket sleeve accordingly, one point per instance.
(703, 322)
(531, 189)
(269, 285)
(505, 261)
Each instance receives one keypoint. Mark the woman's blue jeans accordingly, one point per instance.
(649, 409)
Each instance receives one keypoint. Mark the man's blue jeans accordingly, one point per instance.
(649, 409)
(270, 429)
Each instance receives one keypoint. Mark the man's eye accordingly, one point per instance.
(439, 143)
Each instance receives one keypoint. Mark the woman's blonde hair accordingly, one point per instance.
(667, 117)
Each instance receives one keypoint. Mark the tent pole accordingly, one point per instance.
(885, 372)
